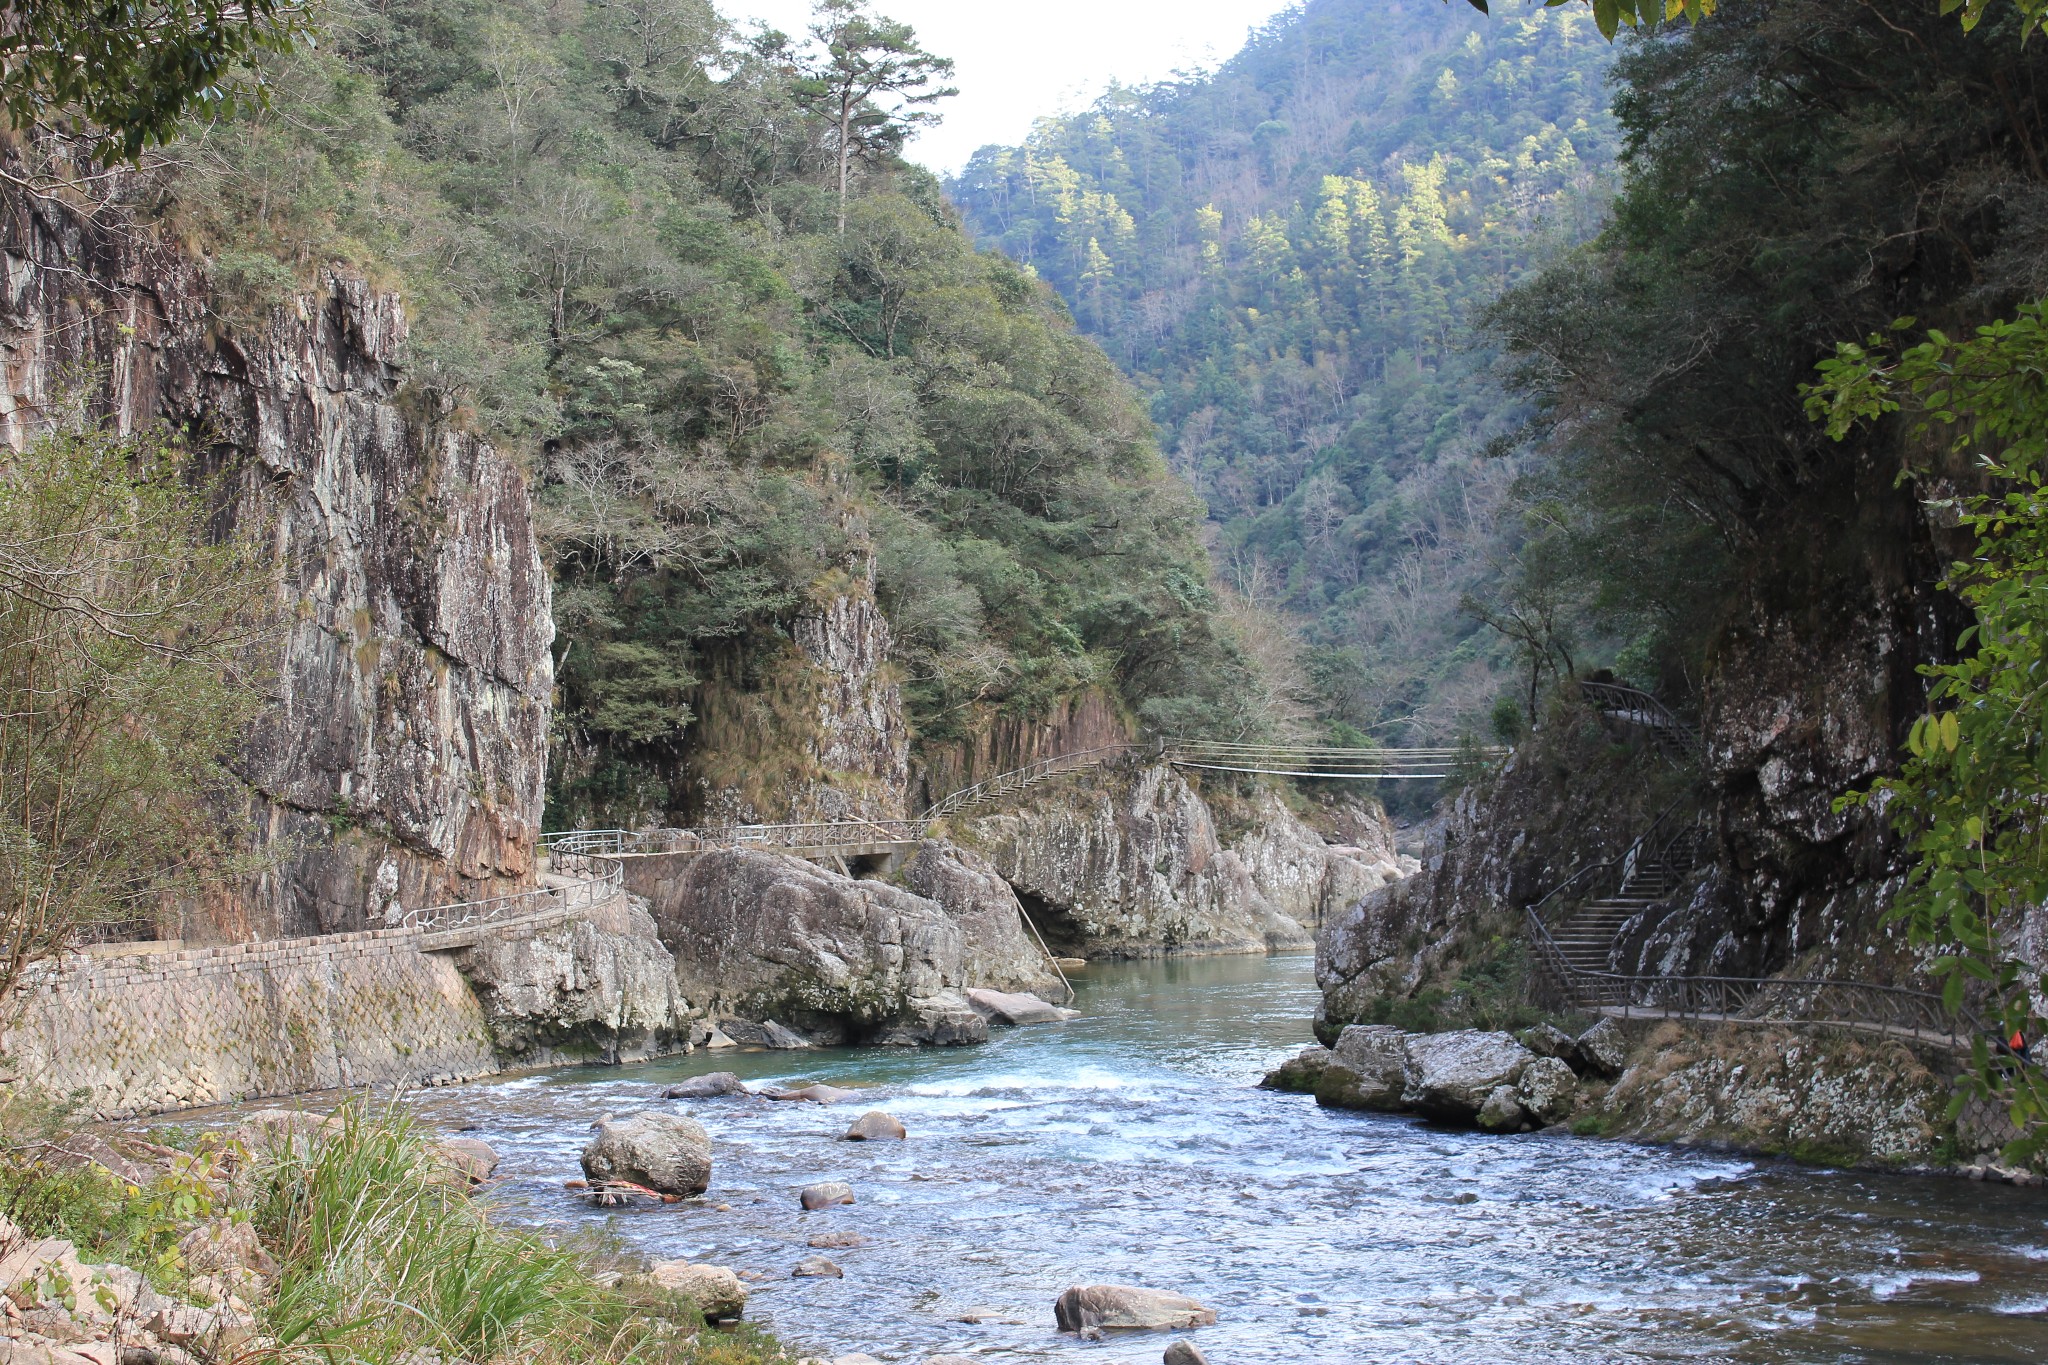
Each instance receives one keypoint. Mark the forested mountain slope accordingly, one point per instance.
(618, 230)
(1286, 254)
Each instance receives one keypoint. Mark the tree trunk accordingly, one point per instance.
(845, 153)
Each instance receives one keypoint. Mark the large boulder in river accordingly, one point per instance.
(767, 936)
(1000, 950)
(716, 1291)
(1368, 1069)
(1450, 1075)
(1087, 1307)
(665, 1152)
(708, 1086)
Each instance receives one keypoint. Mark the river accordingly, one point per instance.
(1130, 1145)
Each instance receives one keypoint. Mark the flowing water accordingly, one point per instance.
(1131, 1146)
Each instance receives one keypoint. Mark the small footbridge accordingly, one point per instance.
(1576, 929)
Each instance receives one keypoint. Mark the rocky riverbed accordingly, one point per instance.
(1133, 1146)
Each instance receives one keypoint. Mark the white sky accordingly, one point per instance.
(1020, 61)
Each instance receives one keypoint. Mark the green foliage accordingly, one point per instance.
(1284, 252)
(1772, 205)
(382, 1252)
(131, 73)
(620, 232)
(1613, 15)
(131, 656)
(50, 1194)
(1970, 797)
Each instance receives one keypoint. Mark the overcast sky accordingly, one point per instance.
(1019, 61)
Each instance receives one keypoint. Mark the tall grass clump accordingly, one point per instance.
(383, 1255)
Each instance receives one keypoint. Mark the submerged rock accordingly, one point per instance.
(707, 1086)
(715, 1291)
(667, 1153)
(875, 1124)
(826, 1194)
(1185, 1353)
(834, 1241)
(816, 1268)
(1298, 1073)
(1086, 1307)
(816, 1094)
(1015, 1007)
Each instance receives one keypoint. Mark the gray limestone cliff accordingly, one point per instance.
(403, 759)
(1128, 862)
(600, 987)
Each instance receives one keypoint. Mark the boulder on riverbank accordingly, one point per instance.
(715, 1291)
(1298, 1073)
(667, 1153)
(1469, 1076)
(1451, 1075)
(1086, 1308)
(1368, 1069)
(764, 936)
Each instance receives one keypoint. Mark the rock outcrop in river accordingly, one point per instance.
(1128, 862)
(765, 936)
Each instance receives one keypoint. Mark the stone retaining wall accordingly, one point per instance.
(142, 1028)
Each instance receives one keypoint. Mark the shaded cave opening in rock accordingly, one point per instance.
(1065, 935)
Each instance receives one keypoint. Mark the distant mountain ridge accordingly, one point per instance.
(1285, 255)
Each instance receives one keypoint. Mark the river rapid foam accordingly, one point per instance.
(1132, 1146)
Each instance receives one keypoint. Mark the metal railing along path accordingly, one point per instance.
(1636, 707)
(1002, 784)
(1895, 1011)
(564, 897)
(1323, 761)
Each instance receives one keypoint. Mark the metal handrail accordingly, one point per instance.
(1813, 1001)
(1003, 783)
(1633, 702)
(578, 895)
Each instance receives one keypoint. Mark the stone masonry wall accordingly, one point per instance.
(154, 1027)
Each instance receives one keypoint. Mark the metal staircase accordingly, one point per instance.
(1649, 876)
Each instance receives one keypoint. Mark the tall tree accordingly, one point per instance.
(870, 75)
(132, 72)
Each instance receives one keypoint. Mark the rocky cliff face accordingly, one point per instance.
(1127, 862)
(813, 731)
(598, 988)
(403, 760)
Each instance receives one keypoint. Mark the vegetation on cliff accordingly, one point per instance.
(621, 232)
(131, 655)
(1286, 253)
